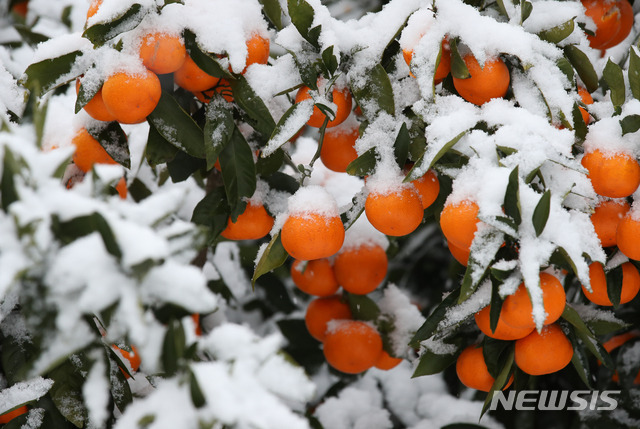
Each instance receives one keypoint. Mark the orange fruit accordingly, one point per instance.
(162, 52)
(395, 213)
(598, 278)
(340, 97)
(386, 362)
(628, 237)
(93, 8)
(193, 78)
(605, 220)
(360, 270)
(252, 224)
(7, 417)
(627, 17)
(618, 340)
(459, 223)
(428, 188)
(503, 331)
(485, 83)
(308, 236)
(315, 278)
(21, 8)
(89, 151)
(615, 342)
(121, 187)
(321, 311)
(133, 357)
(95, 107)
(613, 175)
(444, 66)
(517, 308)
(586, 99)
(613, 20)
(196, 321)
(257, 51)
(459, 254)
(544, 353)
(352, 346)
(338, 148)
(131, 98)
(472, 370)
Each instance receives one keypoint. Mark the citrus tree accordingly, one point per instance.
(264, 213)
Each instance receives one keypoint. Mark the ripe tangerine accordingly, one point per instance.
(252, 224)
(162, 52)
(352, 346)
(308, 236)
(395, 213)
(360, 270)
(472, 370)
(131, 98)
(338, 148)
(485, 83)
(321, 311)
(340, 97)
(605, 220)
(613, 175)
(317, 277)
(503, 331)
(543, 353)
(598, 280)
(517, 308)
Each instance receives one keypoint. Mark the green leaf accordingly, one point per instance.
(259, 116)
(401, 145)
(583, 66)
(630, 124)
(329, 59)
(101, 33)
(413, 175)
(266, 166)
(580, 360)
(612, 74)
(293, 121)
(85, 96)
(511, 204)
(197, 397)
(363, 165)
(363, 308)
(173, 347)
(373, 92)
(501, 8)
(177, 127)
(579, 126)
(43, 76)
(634, 73)
(541, 213)
(495, 306)
(614, 285)
(500, 381)
(10, 170)
(238, 172)
(212, 211)
(565, 67)
(218, 128)
(70, 230)
(114, 141)
(459, 69)
(558, 33)
(604, 326)
(525, 10)
(208, 63)
(586, 335)
(430, 326)
(66, 392)
(158, 149)
(431, 363)
(273, 257)
(307, 69)
(493, 352)
(273, 11)
(302, 15)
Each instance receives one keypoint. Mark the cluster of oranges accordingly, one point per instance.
(536, 352)
(358, 269)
